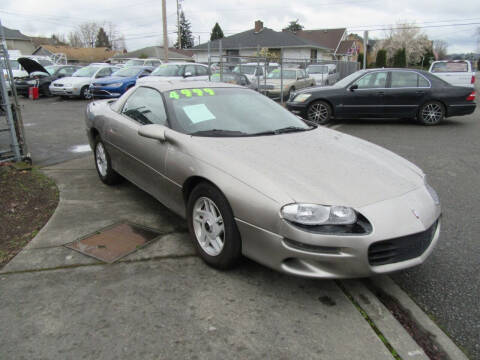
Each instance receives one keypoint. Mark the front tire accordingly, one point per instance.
(103, 164)
(431, 113)
(213, 228)
(319, 112)
(85, 93)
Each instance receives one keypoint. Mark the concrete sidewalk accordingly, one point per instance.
(162, 302)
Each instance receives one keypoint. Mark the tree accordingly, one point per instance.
(102, 39)
(400, 58)
(381, 60)
(293, 26)
(406, 36)
(360, 58)
(440, 49)
(217, 32)
(186, 36)
(74, 39)
(88, 33)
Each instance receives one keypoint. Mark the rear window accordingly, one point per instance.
(441, 67)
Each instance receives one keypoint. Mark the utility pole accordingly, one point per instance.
(165, 35)
(179, 41)
(365, 48)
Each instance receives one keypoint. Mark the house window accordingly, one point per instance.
(232, 56)
(313, 55)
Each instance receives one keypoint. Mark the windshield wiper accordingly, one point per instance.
(218, 132)
(284, 130)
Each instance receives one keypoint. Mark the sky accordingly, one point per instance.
(141, 23)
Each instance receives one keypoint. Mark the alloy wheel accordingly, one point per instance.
(432, 113)
(318, 113)
(208, 226)
(101, 159)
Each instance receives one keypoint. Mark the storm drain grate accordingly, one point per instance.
(114, 242)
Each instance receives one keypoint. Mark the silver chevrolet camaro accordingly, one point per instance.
(253, 179)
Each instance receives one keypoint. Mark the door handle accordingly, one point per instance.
(420, 92)
(381, 93)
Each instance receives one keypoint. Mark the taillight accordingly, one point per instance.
(473, 80)
(471, 97)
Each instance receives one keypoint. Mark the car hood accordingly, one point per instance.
(31, 66)
(74, 80)
(320, 166)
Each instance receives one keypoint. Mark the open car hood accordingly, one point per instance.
(31, 65)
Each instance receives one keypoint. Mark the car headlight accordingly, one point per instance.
(115, 85)
(313, 214)
(301, 97)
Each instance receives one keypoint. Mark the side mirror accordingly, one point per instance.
(153, 131)
(353, 87)
(187, 74)
(143, 75)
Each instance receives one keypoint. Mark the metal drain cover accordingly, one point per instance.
(114, 242)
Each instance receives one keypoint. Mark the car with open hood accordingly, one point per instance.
(41, 76)
(120, 81)
(78, 84)
(253, 179)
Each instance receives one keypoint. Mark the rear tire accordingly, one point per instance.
(103, 164)
(431, 113)
(213, 228)
(319, 112)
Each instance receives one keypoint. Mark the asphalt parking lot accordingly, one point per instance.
(447, 286)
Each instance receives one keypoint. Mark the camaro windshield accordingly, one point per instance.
(168, 70)
(87, 71)
(229, 112)
(276, 74)
(127, 72)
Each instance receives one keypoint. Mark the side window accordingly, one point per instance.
(145, 106)
(373, 80)
(103, 72)
(259, 71)
(201, 71)
(190, 69)
(404, 79)
(303, 74)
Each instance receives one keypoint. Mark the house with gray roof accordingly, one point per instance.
(17, 41)
(156, 52)
(248, 42)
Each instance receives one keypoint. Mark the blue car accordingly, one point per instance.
(119, 82)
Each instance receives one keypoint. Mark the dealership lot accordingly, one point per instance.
(446, 286)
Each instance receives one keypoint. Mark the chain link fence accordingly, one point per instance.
(279, 77)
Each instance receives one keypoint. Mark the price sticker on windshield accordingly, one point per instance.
(189, 93)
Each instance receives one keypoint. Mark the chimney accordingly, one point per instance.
(258, 26)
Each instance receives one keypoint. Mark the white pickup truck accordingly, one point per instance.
(456, 72)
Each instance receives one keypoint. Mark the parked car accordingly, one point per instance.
(144, 62)
(455, 72)
(293, 79)
(119, 82)
(78, 84)
(323, 74)
(255, 70)
(175, 71)
(252, 179)
(41, 76)
(233, 78)
(385, 93)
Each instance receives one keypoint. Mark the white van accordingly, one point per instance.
(456, 72)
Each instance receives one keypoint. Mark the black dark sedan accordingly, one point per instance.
(41, 76)
(384, 93)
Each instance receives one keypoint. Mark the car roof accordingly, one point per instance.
(163, 86)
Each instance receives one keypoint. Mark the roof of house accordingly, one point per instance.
(11, 34)
(265, 38)
(157, 52)
(345, 47)
(40, 40)
(329, 38)
(80, 54)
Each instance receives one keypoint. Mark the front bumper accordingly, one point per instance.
(298, 252)
(105, 92)
(64, 91)
(299, 109)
